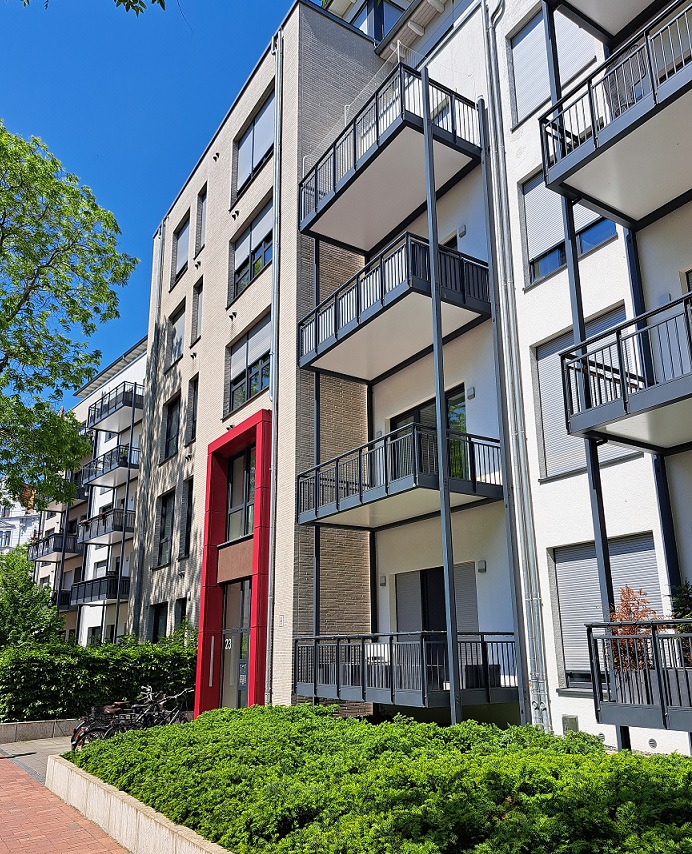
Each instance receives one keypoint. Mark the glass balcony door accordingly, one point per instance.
(235, 656)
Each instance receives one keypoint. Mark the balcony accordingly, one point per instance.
(619, 142)
(107, 528)
(610, 18)
(372, 178)
(406, 669)
(104, 589)
(642, 673)
(633, 383)
(395, 478)
(50, 548)
(61, 599)
(111, 468)
(113, 412)
(382, 316)
(81, 495)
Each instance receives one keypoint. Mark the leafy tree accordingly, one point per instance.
(25, 612)
(135, 6)
(59, 263)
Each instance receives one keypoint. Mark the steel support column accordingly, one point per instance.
(316, 550)
(127, 498)
(441, 409)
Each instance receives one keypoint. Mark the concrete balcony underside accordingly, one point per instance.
(611, 18)
(383, 316)
(373, 177)
(619, 142)
(111, 468)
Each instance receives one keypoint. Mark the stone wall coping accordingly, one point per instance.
(33, 730)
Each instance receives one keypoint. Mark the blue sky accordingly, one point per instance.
(128, 104)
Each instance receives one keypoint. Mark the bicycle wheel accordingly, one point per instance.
(91, 733)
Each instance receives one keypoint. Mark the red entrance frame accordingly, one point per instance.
(255, 430)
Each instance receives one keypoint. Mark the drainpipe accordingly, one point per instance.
(146, 440)
(278, 54)
(523, 515)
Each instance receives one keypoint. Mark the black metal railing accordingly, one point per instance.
(645, 664)
(99, 589)
(120, 456)
(651, 350)
(402, 663)
(400, 96)
(126, 394)
(405, 259)
(409, 451)
(635, 72)
(61, 599)
(106, 523)
(53, 544)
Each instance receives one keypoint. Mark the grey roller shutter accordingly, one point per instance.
(409, 610)
(562, 452)
(466, 598)
(264, 132)
(633, 563)
(259, 340)
(575, 47)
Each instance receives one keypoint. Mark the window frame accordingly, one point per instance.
(168, 437)
(561, 248)
(201, 224)
(260, 367)
(173, 319)
(248, 267)
(163, 541)
(254, 170)
(249, 488)
(192, 405)
(196, 319)
(177, 272)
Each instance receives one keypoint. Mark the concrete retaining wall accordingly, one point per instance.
(31, 730)
(138, 828)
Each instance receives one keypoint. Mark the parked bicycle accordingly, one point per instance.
(152, 709)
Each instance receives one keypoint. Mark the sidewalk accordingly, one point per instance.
(32, 756)
(35, 821)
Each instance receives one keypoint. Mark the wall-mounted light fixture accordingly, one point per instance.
(383, 581)
(233, 315)
(480, 566)
(470, 392)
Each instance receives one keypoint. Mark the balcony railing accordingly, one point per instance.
(61, 599)
(406, 668)
(117, 520)
(126, 394)
(53, 545)
(463, 279)
(642, 673)
(399, 97)
(120, 456)
(410, 452)
(627, 79)
(99, 590)
(651, 351)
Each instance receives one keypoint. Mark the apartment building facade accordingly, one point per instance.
(83, 550)
(17, 525)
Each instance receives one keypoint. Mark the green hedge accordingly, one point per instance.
(298, 780)
(59, 680)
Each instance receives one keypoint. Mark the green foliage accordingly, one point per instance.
(59, 265)
(300, 779)
(60, 680)
(135, 6)
(681, 601)
(25, 612)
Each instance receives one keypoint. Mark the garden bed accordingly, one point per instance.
(302, 780)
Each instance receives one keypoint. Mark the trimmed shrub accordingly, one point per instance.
(59, 680)
(298, 780)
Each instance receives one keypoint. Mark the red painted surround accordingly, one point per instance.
(255, 430)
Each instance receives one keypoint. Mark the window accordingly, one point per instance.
(545, 236)
(187, 511)
(420, 600)
(249, 365)
(252, 252)
(176, 330)
(563, 453)
(376, 18)
(192, 397)
(197, 302)
(180, 610)
(181, 246)
(165, 533)
(241, 495)
(5, 539)
(688, 280)
(172, 413)
(159, 621)
(632, 563)
(5, 512)
(530, 61)
(201, 231)
(256, 144)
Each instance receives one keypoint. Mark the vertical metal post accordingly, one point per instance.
(127, 498)
(316, 552)
(441, 410)
(61, 570)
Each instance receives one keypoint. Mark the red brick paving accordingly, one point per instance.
(35, 821)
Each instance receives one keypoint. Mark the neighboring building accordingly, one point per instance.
(84, 551)
(17, 525)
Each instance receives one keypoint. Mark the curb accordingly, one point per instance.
(135, 826)
(33, 730)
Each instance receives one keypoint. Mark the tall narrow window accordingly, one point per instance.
(176, 330)
(159, 621)
(167, 505)
(197, 302)
(186, 538)
(249, 365)
(192, 397)
(253, 251)
(181, 247)
(241, 495)
(256, 144)
(201, 232)
(172, 413)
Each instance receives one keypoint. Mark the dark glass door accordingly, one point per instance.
(235, 657)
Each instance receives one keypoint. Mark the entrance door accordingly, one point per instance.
(236, 644)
